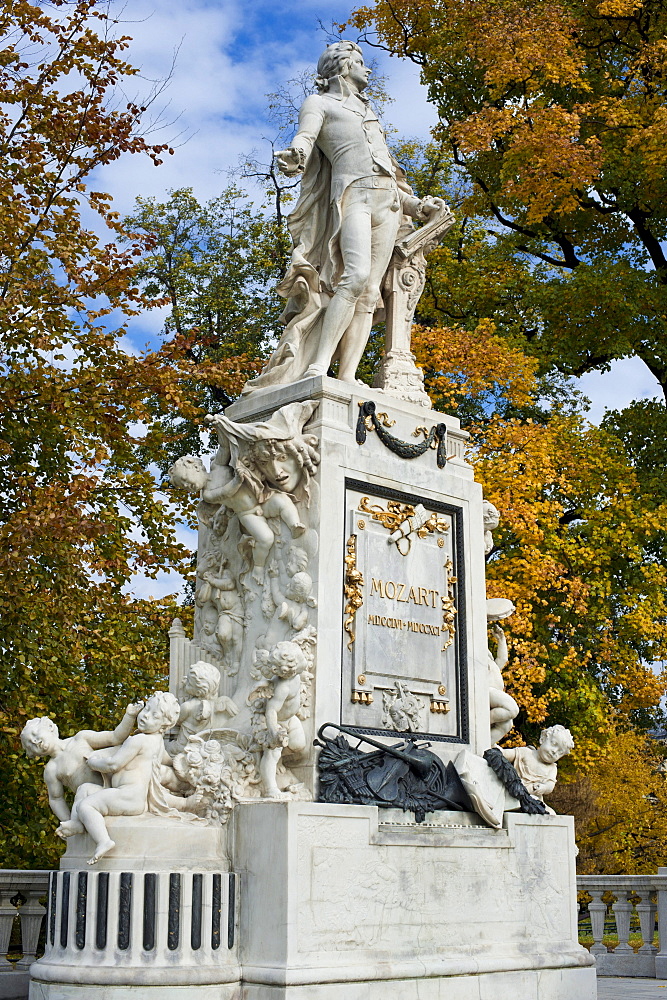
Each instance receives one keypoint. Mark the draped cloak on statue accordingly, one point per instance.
(315, 270)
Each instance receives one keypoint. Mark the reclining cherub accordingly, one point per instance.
(129, 771)
(68, 766)
(537, 766)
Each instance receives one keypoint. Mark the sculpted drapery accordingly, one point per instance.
(353, 207)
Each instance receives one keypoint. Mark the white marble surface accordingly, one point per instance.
(342, 897)
(334, 424)
(547, 984)
(152, 843)
(56, 991)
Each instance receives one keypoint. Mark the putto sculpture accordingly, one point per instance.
(199, 702)
(279, 705)
(537, 766)
(68, 766)
(133, 767)
(355, 206)
(259, 473)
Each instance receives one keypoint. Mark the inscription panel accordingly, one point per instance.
(404, 623)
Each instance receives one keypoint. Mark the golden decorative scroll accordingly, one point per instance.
(354, 582)
(405, 516)
(448, 609)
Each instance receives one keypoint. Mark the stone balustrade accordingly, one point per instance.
(21, 895)
(647, 896)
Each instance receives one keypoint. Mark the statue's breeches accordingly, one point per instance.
(370, 220)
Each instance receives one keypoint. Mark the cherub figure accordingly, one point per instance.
(290, 609)
(208, 625)
(221, 591)
(68, 765)
(537, 767)
(129, 771)
(258, 472)
(278, 724)
(201, 701)
(228, 486)
(502, 706)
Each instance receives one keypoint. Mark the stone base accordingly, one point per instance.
(547, 984)
(56, 991)
(359, 903)
(331, 902)
(151, 843)
(400, 378)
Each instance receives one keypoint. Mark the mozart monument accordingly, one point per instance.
(317, 809)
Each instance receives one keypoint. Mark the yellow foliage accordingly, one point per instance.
(474, 364)
(618, 802)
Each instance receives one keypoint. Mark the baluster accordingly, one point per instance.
(622, 911)
(661, 957)
(31, 914)
(7, 915)
(647, 911)
(598, 911)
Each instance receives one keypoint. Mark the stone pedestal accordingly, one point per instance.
(354, 902)
(418, 614)
(304, 900)
(157, 921)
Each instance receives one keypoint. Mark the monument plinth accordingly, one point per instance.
(315, 810)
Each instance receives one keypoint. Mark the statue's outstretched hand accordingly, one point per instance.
(289, 161)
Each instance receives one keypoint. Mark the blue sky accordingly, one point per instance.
(228, 56)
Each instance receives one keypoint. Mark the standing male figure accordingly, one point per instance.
(350, 213)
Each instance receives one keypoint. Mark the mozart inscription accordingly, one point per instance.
(402, 655)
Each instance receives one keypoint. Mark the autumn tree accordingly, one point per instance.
(553, 116)
(214, 265)
(81, 510)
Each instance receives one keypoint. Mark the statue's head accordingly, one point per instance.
(39, 737)
(491, 516)
(299, 587)
(555, 742)
(160, 712)
(287, 659)
(297, 560)
(283, 465)
(341, 59)
(209, 619)
(188, 473)
(203, 680)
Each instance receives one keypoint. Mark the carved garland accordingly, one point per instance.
(435, 438)
(498, 763)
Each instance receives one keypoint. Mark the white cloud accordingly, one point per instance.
(228, 57)
(629, 379)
